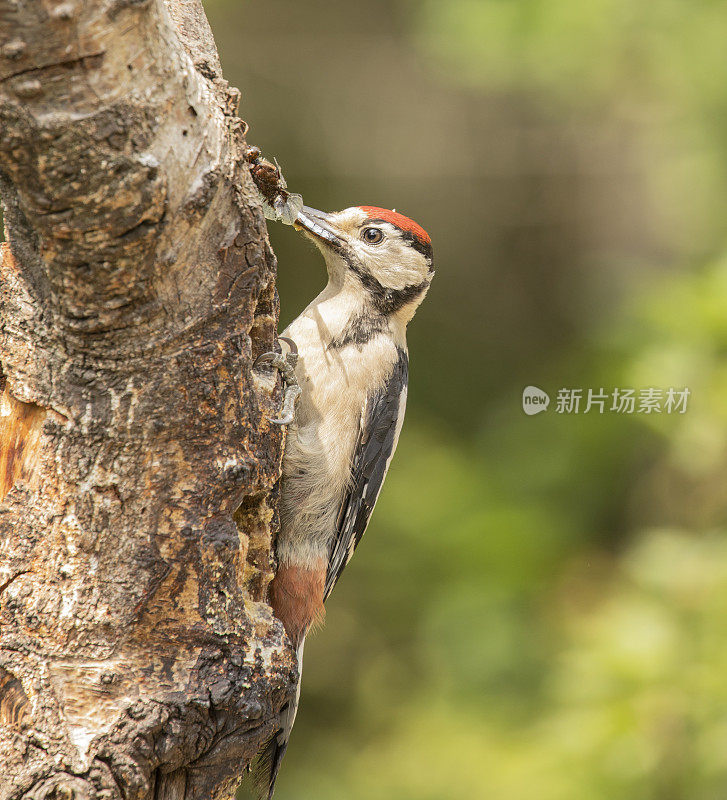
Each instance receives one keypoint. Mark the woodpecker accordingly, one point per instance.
(349, 356)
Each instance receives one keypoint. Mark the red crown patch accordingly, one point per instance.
(398, 220)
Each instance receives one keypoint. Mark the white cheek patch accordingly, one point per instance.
(397, 265)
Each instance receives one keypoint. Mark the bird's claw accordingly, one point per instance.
(285, 363)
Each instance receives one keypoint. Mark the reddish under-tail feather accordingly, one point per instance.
(296, 595)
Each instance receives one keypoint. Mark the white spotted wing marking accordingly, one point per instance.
(381, 421)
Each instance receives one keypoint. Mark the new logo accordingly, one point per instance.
(534, 400)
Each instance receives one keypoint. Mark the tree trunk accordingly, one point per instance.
(138, 658)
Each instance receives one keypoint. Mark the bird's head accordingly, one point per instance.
(386, 252)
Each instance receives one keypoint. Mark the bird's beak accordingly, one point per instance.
(318, 224)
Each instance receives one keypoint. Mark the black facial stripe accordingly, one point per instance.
(359, 331)
(425, 248)
(421, 247)
(398, 298)
(387, 301)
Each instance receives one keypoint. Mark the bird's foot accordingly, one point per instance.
(285, 364)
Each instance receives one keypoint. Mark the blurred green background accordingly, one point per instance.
(538, 609)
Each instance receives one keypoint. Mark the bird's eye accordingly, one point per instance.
(372, 235)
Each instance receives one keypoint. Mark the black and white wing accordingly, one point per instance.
(381, 423)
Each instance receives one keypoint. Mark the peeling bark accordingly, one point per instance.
(138, 657)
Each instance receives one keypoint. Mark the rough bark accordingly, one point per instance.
(138, 658)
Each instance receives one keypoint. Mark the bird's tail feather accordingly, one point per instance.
(266, 768)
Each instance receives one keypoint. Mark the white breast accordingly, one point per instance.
(317, 462)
